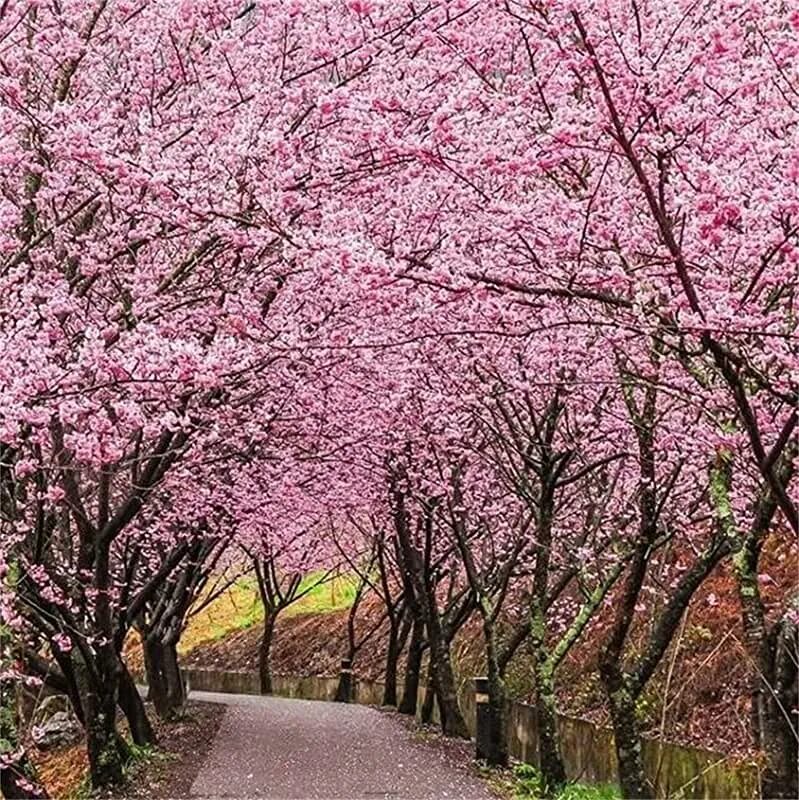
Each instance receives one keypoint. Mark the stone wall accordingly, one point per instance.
(682, 773)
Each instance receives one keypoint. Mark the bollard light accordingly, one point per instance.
(484, 745)
(345, 682)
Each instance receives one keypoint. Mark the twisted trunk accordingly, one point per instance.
(167, 690)
(130, 702)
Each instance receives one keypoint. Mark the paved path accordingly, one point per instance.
(270, 747)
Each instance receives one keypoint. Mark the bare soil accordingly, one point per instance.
(168, 773)
(183, 746)
(306, 644)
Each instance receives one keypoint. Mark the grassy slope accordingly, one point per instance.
(240, 608)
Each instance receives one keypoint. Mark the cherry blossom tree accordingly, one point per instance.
(288, 546)
(568, 538)
(627, 166)
(147, 259)
(469, 277)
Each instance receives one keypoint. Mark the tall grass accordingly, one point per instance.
(240, 607)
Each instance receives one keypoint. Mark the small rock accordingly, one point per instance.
(51, 704)
(60, 729)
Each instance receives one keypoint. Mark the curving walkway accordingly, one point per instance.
(270, 747)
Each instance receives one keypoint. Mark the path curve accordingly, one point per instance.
(272, 747)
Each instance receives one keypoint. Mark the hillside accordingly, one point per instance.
(699, 695)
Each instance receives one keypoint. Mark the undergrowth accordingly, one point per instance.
(139, 757)
(525, 782)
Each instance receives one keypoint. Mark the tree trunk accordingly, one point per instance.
(552, 768)
(429, 698)
(167, 689)
(632, 778)
(497, 726)
(496, 702)
(452, 721)
(150, 669)
(774, 681)
(392, 657)
(780, 734)
(345, 692)
(621, 698)
(264, 650)
(154, 661)
(102, 740)
(551, 764)
(67, 666)
(175, 685)
(413, 668)
(130, 702)
(107, 751)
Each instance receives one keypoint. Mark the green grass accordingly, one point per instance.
(580, 791)
(237, 608)
(83, 791)
(525, 782)
(240, 607)
(337, 594)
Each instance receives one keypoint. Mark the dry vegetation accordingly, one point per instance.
(699, 696)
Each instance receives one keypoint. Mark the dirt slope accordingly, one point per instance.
(699, 696)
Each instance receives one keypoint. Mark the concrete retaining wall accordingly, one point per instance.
(683, 773)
